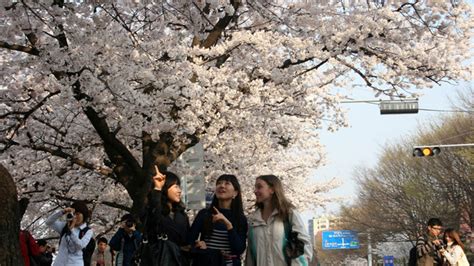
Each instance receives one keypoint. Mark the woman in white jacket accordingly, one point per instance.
(71, 242)
(454, 252)
(267, 237)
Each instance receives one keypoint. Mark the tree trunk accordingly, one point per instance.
(9, 221)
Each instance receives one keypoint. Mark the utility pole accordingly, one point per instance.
(369, 250)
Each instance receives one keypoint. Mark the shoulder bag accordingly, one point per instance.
(294, 246)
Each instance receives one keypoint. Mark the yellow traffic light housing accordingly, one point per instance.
(426, 151)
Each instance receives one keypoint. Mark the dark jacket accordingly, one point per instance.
(130, 245)
(45, 259)
(161, 223)
(175, 225)
(236, 237)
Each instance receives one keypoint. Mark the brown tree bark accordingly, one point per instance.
(9, 221)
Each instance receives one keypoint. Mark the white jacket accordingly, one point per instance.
(70, 247)
(455, 256)
(267, 239)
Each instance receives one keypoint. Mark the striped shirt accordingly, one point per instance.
(219, 240)
(231, 243)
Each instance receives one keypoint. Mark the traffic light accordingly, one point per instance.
(426, 151)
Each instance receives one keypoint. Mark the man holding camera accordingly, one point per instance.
(428, 246)
(125, 241)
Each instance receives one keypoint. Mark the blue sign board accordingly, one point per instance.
(388, 261)
(340, 239)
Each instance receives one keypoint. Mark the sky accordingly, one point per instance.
(360, 144)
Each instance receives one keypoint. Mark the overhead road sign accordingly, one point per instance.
(340, 239)
(409, 106)
(401, 106)
(388, 261)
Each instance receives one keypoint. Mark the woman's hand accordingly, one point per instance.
(70, 223)
(159, 179)
(200, 244)
(218, 217)
(68, 209)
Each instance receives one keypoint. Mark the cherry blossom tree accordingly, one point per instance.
(93, 95)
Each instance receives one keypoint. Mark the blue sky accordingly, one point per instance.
(362, 142)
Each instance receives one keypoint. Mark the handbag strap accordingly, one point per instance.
(288, 227)
(145, 227)
(157, 224)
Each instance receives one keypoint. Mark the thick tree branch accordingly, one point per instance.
(220, 26)
(20, 48)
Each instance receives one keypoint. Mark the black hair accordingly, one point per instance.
(434, 222)
(128, 217)
(236, 206)
(81, 206)
(102, 240)
(171, 179)
(41, 242)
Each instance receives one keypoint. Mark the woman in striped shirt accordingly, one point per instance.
(219, 233)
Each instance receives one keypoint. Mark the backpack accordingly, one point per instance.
(88, 250)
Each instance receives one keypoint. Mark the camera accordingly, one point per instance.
(129, 224)
(441, 245)
(69, 216)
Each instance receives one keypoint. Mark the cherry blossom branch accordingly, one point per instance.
(22, 121)
(60, 153)
(88, 201)
(358, 72)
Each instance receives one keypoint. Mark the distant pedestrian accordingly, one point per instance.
(74, 234)
(53, 252)
(102, 255)
(429, 244)
(125, 241)
(45, 258)
(454, 253)
(219, 233)
(268, 225)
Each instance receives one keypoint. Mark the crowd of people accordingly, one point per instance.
(273, 234)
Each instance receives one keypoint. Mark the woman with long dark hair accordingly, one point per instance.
(270, 224)
(166, 223)
(454, 252)
(219, 232)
